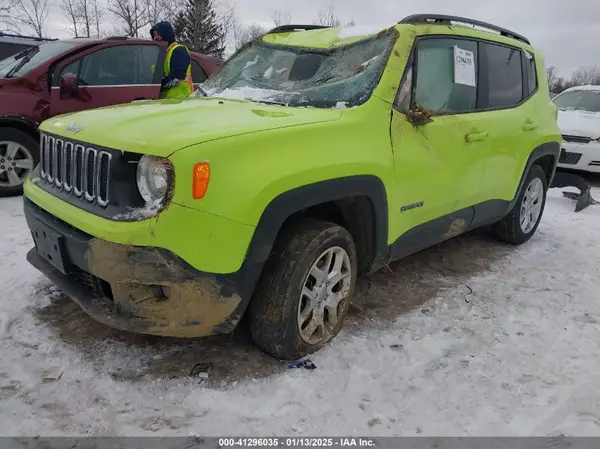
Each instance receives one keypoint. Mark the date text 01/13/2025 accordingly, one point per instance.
(296, 442)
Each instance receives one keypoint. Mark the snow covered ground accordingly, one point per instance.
(468, 338)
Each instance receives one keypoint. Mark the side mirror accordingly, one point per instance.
(418, 116)
(68, 85)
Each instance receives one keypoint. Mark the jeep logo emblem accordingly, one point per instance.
(74, 127)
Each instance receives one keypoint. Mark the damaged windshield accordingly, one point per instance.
(579, 100)
(342, 77)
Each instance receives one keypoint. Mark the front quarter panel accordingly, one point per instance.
(247, 172)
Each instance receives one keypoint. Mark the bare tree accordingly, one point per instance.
(97, 16)
(586, 75)
(225, 12)
(243, 35)
(85, 9)
(70, 8)
(6, 8)
(327, 17)
(552, 76)
(280, 17)
(157, 10)
(32, 13)
(130, 15)
(84, 16)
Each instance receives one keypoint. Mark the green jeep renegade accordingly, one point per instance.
(314, 155)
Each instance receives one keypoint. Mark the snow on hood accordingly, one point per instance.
(579, 123)
(247, 93)
(256, 94)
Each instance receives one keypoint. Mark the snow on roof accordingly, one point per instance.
(358, 31)
(245, 93)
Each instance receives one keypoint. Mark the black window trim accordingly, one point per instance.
(411, 63)
(535, 71)
(192, 62)
(524, 82)
(480, 70)
(57, 68)
(60, 72)
(73, 55)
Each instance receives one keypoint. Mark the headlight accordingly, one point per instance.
(153, 178)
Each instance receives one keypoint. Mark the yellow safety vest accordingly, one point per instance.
(186, 87)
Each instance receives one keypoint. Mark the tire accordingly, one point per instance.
(28, 149)
(279, 302)
(509, 229)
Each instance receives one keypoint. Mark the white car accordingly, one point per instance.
(579, 123)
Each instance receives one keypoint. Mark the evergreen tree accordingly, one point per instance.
(197, 27)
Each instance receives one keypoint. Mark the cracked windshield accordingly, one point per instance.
(340, 78)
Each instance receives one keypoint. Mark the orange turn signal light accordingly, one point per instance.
(201, 176)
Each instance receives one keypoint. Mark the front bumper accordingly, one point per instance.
(580, 156)
(139, 289)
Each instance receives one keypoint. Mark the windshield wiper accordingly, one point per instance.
(277, 103)
(323, 79)
(25, 58)
(24, 52)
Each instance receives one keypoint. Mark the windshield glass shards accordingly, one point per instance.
(340, 77)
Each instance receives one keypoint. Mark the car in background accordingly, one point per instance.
(579, 123)
(11, 44)
(72, 75)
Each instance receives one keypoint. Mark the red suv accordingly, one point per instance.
(72, 75)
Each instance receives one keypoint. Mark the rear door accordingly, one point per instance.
(512, 119)
(109, 76)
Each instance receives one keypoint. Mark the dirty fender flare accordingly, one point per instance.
(545, 149)
(295, 200)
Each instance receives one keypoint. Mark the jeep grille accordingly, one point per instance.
(76, 168)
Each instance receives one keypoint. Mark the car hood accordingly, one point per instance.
(164, 126)
(579, 123)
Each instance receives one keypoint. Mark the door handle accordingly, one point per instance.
(530, 125)
(473, 137)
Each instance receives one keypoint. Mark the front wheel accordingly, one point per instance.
(524, 218)
(19, 153)
(305, 291)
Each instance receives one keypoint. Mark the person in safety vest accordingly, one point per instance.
(177, 72)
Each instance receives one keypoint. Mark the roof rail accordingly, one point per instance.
(290, 28)
(35, 38)
(444, 19)
(118, 38)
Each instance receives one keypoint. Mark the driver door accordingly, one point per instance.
(108, 76)
(439, 163)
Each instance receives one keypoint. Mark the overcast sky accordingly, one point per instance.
(567, 32)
